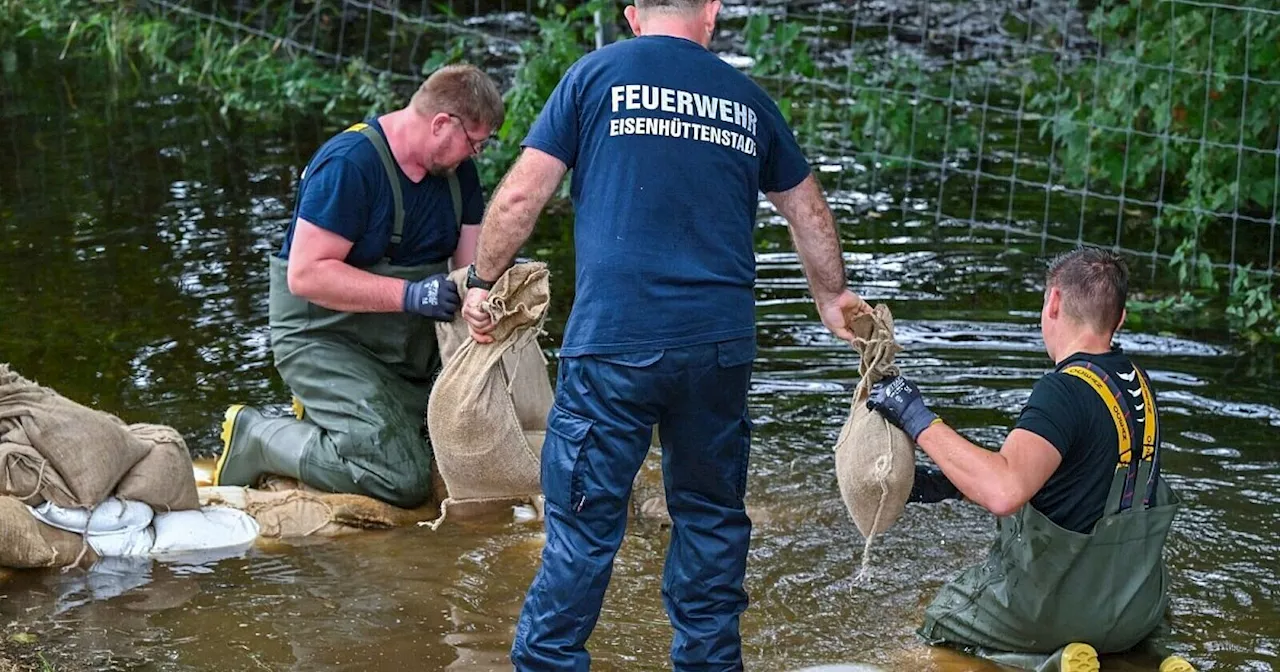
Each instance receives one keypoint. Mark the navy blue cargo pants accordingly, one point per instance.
(598, 434)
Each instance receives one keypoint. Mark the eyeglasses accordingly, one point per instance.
(477, 146)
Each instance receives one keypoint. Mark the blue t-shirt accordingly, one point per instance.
(670, 147)
(344, 189)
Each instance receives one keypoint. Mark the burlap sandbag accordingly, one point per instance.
(25, 474)
(875, 460)
(27, 543)
(300, 512)
(164, 479)
(90, 450)
(488, 409)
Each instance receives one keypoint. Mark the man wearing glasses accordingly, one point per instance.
(382, 210)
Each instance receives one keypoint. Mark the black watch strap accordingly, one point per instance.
(474, 280)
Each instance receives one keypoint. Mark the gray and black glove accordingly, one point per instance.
(434, 296)
(899, 401)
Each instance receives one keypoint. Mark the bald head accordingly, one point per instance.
(675, 6)
(690, 19)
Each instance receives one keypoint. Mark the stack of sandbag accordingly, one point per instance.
(875, 460)
(72, 476)
(55, 450)
(487, 414)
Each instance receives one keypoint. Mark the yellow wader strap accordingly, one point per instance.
(389, 163)
(1115, 404)
(1130, 445)
(1150, 437)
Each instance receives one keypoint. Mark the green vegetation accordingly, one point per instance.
(1158, 118)
(562, 35)
(245, 76)
(1180, 89)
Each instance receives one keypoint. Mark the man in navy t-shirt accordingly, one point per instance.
(670, 148)
(382, 209)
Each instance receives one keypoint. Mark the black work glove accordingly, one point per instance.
(434, 296)
(899, 401)
(931, 486)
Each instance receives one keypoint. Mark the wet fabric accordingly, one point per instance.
(875, 460)
(598, 434)
(670, 147)
(488, 408)
(1043, 586)
(113, 528)
(295, 511)
(26, 543)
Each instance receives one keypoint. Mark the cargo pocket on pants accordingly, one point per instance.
(564, 458)
(744, 456)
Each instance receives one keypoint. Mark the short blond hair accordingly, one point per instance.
(464, 90)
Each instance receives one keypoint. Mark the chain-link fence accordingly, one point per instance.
(1147, 126)
(1144, 126)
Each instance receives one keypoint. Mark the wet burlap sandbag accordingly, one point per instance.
(88, 450)
(487, 414)
(28, 543)
(295, 511)
(875, 460)
(164, 479)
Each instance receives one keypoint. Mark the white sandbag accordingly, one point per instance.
(114, 528)
(210, 531)
(111, 516)
(129, 543)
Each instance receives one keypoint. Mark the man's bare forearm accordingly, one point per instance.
(337, 286)
(813, 230)
(514, 210)
(976, 472)
(1002, 482)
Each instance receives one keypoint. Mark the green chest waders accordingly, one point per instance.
(363, 378)
(1043, 587)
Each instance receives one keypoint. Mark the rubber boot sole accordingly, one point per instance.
(1176, 664)
(228, 428)
(1079, 657)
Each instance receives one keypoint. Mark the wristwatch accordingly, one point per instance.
(474, 280)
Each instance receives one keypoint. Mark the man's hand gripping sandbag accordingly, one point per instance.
(488, 409)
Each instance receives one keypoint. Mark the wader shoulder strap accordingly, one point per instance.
(1113, 397)
(1151, 431)
(389, 163)
(455, 193)
(1137, 452)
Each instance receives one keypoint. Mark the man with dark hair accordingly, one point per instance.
(382, 210)
(670, 148)
(1077, 567)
